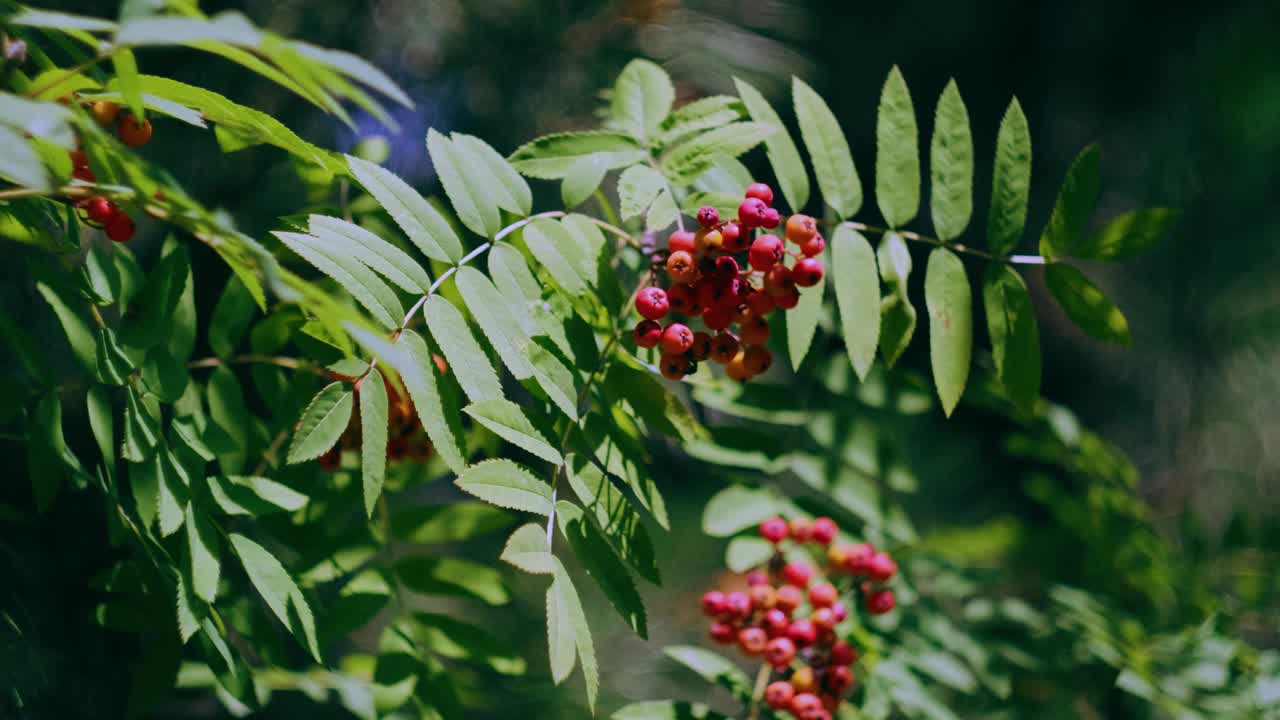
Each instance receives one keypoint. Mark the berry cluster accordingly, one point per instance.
(731, 278)
(128, 129)
(792, 621)
(99, 211)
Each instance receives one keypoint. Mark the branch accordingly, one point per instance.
(284, 362)
(762, 679)
(958, 247)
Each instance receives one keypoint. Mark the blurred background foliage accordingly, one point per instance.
(1155, 494)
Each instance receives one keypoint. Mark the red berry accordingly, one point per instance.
(798, 574)
(734, 240)
(840, 610)
(842, 653)
(807, 272)
(762, 597)
(120, 227)
(681, 267)
(774, 529)
(648, 333)
(804, 704)
(713, 603)
(858, 558)
(813, 246)
(778, 281)
(701, 349)
(823, 595)
(839, 679)
(331, 460)
(779, 652)
(717, 318)
(823, 531)
(789, 299)
(753, 330)
(760, 303)
(757, 359)
(789, 598)
(766, 251)
(737, 604)
(880, 602)
(78, 159)
(779, 694)
(723, 633)
(84, 174)
(761, 192)
(674, 367)
(775, 621)
(652, 303)
(726, 268)
(752, 640)
(770, 219)
(757, 577)
(681, 299)
(802, 633)
(681, 240)
(801, 228)
(799, 529)
(677, 338)
(881, 567)
(823, 618)
(132, 132)
(724, 347)
(751, 212)
(100, 209)
(708, 216)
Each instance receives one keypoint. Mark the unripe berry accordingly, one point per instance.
(762, 597)
(813, 246)
(823, 619)
(757, 577)
(776, 622)
(779, 694)
(708, 216)
(681, 299)
(104, 112)
(753, 330)
(681, 240)
(804, 704)
(779, 652)
(736, 368)
(778, 281)
(880, 602)
(757, 359)
(789, 299)
(674, 367)
(717, 317)
(807, 272)
(839, 679)
(751, 212)
(648, 334)
(823, 531)
(132, 132)
(752, 640)
(708, 240)
(723, 633)
(836, 555)
(801, 228)
(802, 633)
(120, 227)
(100, 209)
(701, 348)
(798, 574)
(737, 605)
(842, 653)
(770, 219)
(881, 567)
(713, 603)
(823, 594)
(677, 339)
(774, 529)
(789, 598)
(652, 303)
(799, 529)
(766, 251)
(681, 267)
(735, 241)
(761, 192)
(724, 346)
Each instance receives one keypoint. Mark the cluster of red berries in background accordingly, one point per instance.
(789, 616)
(731, 278)
(99, 211)
(406, 439)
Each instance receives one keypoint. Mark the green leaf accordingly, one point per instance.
(279, 591)
(726, 175)
(784, 157)
(724, 202)
(53, 20)
(453, 576)
(555, 249)
(141, 429)
(802, 320)
(114, 367)
(126, 67)
(503, 483)
(144, 484)
(551, 157)
(100, 276)
(466, 358)
(555, 379)
(253, 496)
(583, 178)
(660, 409)
(79, 336)
(1015, 337)
(424, 225)
(710, 667)
(701, 114)
(615, 516)
(605, 567)
(102, 423)
(463, 641)
(828, 150)
(667, 710)
(506, 420)
(20, 163)
(202, 548)
(188, 622)
(951, 165)
(1010, 182)
(642, 97)
(456, 521)
(231, 317)
(433, 398)
(322, 423)
(897, 314)
(528, 550)
(1127, 235)
(1065, 231)
(1086, 305)
(564, 605)
(173, 493)
(897, 153)
(737, 508)
(662, 214)
(465, 186)
(685, 162)
(377, 254)
(367, 288)
(747, 553)
(501, 328)
(853, 272)
(494, 175)
(638, 187)
(949, 301)
(373, 437)
(227, 411)
(184, 434)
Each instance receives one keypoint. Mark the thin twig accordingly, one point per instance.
(284, 362)
(762, 678)
(269, 456)
(957, 247)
